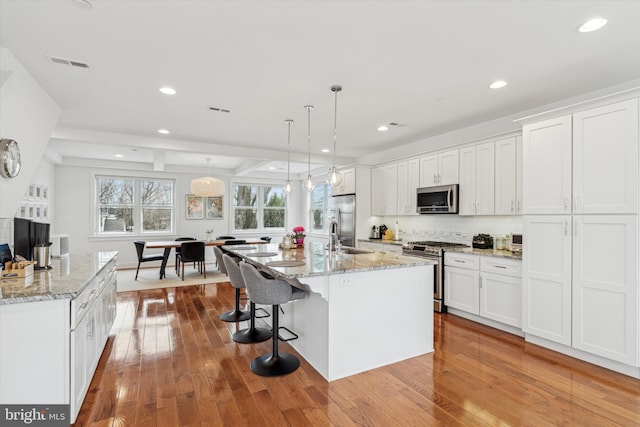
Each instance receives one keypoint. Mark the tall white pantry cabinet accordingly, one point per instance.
(580, 232)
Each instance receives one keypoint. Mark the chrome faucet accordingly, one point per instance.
(333, 235)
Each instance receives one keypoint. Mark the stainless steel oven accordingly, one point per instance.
(433, 251)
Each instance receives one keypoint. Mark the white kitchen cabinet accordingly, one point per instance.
(595, 152)
(546, 265)
(462, 290)
(408, 182)
(508, 176)
(546, 173)
(605, 159)
(439, 169)
(384, 200)
(605, 291)
(477, 168)
(348, 184)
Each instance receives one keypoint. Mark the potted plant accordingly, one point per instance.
(298, 234)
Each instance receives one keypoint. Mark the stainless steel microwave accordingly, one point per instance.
(438, 200)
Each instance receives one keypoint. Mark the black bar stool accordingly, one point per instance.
(271, 292)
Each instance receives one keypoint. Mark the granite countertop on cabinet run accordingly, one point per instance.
(487, 252)
(318, 261)
(66, 279)
(390, 242)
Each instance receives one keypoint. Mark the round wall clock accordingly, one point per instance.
(10, 157)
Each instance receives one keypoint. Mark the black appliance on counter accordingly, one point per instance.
(27, 234)
(433, 251)
(482, 241)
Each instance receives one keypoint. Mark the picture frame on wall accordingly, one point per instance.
(194, 206)
(214, 208)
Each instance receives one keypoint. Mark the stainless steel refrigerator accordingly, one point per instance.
(344, 212)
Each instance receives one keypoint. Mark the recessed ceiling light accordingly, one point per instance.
(119, 156)
(592, 25)
(498, 84)
(325, 150)
(167, 90)
(164, 131)
(383, 128)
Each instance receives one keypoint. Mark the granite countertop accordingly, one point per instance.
(389, 242)
(488, 252)
(318, 262)
(66, 279)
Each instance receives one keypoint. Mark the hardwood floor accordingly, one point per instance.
(171, 362)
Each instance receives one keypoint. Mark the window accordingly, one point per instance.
(320, 206)
(258, 207)
(134, 205)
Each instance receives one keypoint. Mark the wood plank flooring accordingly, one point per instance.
(171, 362)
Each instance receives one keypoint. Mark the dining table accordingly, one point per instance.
(167, 245)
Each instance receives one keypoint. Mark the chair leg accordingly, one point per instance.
(204, 270)
(137, 270)
(274, 364)
(183, 271)
(252, 334)
(236, 315)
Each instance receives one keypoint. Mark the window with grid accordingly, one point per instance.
(320, 206)
(258, 207)
(134, 205)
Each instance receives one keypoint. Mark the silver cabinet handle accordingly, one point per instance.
(499, 266)
(519, 206)
(566, 202)
(435, 178)
(575, 201)
(512, 205)
(566, 227)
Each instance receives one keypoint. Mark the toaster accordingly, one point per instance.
(482, 241)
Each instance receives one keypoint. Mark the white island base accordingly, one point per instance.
(353, 322)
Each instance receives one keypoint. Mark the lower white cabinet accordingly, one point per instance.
(489, 287)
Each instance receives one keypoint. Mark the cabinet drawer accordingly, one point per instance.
(456, 259)
(497, 265)
(84, 300)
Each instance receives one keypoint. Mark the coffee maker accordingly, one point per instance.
(375, 232)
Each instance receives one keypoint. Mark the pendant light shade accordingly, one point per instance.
(207, 186)
(288, 186)
(308, 184)
(334, 177)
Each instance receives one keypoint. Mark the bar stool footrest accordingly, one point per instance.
(294, 335)
(263, 313)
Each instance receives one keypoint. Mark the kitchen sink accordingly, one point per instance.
(355, 251)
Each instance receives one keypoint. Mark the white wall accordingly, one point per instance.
(27, 115)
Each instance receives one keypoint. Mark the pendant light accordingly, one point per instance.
(309, 185)
(207, 186)
(334, 177)
(288, 186)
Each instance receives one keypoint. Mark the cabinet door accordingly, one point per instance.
(390, 189)
(605, 286)
(485, 169)
(79, 371)
(377, 188)
(467, 188)
(428, 171)
(408, 182)
(506, 178)
(461, 289)
(546, 277)
(605, 159)
(501, 298)
(519, 175)
(448, 168)
(547, 167)
(348, 185)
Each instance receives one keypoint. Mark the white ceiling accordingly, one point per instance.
(425, 65)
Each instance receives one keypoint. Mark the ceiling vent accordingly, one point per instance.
(69, 62)
(220, 110)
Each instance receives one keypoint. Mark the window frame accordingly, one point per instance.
(260, 208)
(137, 206)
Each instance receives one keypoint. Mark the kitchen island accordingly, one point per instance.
(362, 310)
(54, 325)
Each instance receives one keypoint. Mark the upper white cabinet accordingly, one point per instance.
(384, 190)
(408, 182)
(508, 176)
(348, 184)
(439, 169)
(546, 169)
(605, 159)
(477, 165)
(603, 170)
